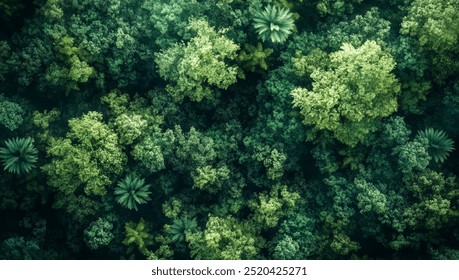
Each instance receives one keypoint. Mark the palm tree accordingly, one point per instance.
(180, 227)
(132, 191)
(19, 156)
(439, 144)
(274, 24)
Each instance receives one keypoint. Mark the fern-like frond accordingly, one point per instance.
(132, 191)
(439, 144)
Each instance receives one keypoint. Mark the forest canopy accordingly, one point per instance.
(229, 129)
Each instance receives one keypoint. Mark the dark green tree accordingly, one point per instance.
(180, 227)
(19, 156)
(347, 98)
(132, 191)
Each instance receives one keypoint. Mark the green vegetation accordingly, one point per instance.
(132, 191)
(439, 144)
(19, 156)
(273, 24)
(229, 129)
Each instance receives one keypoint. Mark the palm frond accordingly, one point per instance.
(274, 24)
(439, 144)
(132, 191)
(19, 156)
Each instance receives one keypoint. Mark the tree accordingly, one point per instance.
(286, 249)
(273, 24)
(439, 144)
(87, 157)
(348, 98)
(132, 191)
(270, 208)
(149, 154)
(130, 127)
(19, 248)
(195, 67)
(336, 7)
(12, 113)
(412, 155)
(296, 239)
(99, 233)
(254, 57)
(138, 236)
(224, 239)
(181, 227)
(435, 24)
(19, 156)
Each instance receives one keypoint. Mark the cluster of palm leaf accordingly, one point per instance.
(19, 156)
(439, 144)
(274, 24)
(132, 191)
(180, 227)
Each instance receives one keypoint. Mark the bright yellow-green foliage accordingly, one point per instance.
(346, 99)
(254, 57)
(195, 67)
(129, 127)
(210, 178)
(336, 7)
(224, 239)
(11, 113)
(434, 22)
(270, 208)
(138, 236)
(87, 157)
(76, 70)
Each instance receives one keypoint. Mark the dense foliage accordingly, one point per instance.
(229, 129)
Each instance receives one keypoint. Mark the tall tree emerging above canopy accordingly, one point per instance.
(351, 94)
(193, 68)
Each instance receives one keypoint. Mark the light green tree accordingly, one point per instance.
(254, 58)
(224, 239)
(86, 158)
(19, 156)
(193, 68)
(346, 99)
(435, 24)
